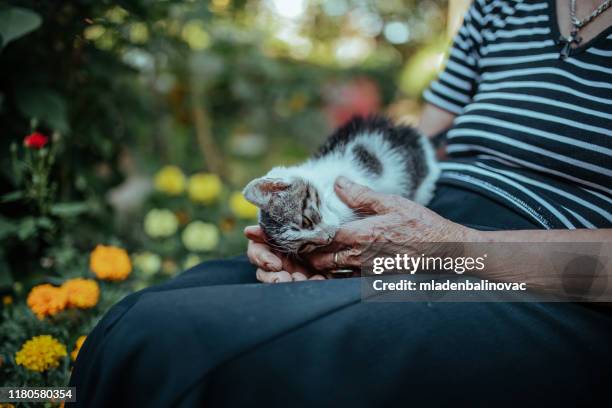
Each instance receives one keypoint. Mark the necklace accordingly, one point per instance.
(578, 24)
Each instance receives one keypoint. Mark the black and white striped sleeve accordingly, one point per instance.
(456, 84)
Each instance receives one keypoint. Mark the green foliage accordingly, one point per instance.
(16, 22)
(44, 104)
(18, 324)
(122, 88)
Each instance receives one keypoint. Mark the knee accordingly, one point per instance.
(222, 272)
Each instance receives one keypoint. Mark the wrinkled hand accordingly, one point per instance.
(394, 221)
(273, 267)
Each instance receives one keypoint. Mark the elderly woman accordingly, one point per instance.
(525, 98)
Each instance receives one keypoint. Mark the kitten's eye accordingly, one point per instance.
(306, 222)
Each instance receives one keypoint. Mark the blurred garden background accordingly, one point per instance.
(128, 128)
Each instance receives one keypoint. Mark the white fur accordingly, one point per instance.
(424, 193)
(323, 172)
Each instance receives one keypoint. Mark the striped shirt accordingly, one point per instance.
(531, 131)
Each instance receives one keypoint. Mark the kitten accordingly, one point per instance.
(299, 209)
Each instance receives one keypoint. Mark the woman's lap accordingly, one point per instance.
(215, 337)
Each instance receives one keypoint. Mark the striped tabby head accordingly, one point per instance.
(289, 214)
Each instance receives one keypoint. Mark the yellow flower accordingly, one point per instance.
(110, 263)
(148, 263)
(191, 261)
(241, 207)
(7, 300)
(40, 353)
(200, 236)
(204, 187)
(82, 293)
(160, 223)
(47, 300)
(170, 180)
(77, 347)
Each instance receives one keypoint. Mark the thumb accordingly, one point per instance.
(360, 197)
(255, 233)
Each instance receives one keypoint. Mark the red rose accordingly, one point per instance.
(35, 141)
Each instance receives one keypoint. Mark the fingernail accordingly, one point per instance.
(343, 182)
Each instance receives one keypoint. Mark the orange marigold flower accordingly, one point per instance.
(83, 293)
(47, 300)
(77, 347)
(110, 263)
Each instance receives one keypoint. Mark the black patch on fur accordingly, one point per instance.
(398, 136)
(368, 160)
(403, 138)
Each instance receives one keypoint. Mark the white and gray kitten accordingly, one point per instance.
(299, 209)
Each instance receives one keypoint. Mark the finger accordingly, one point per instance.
(262, 256)
(298, 276)
(360, 197)
(281, 277)
(349, 258)
(272, 277)
(317, 277)
(255, 233)
(291, 265)
(348, 236)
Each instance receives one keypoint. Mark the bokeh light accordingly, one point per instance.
(397, 32)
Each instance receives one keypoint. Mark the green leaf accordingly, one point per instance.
(69, 209)
(12, 196)
(6, 279)
(44, 222)
(7, 227)
(44, 104)
(27, 228)
(16, 22)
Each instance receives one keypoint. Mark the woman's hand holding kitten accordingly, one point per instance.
(275, 267)
(395, 225)
(394, 221)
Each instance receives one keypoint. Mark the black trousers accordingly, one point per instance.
(215, 337)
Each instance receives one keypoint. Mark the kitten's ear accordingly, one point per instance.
(260, 191)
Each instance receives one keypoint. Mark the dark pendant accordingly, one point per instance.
(565, 51)
(567, 44)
